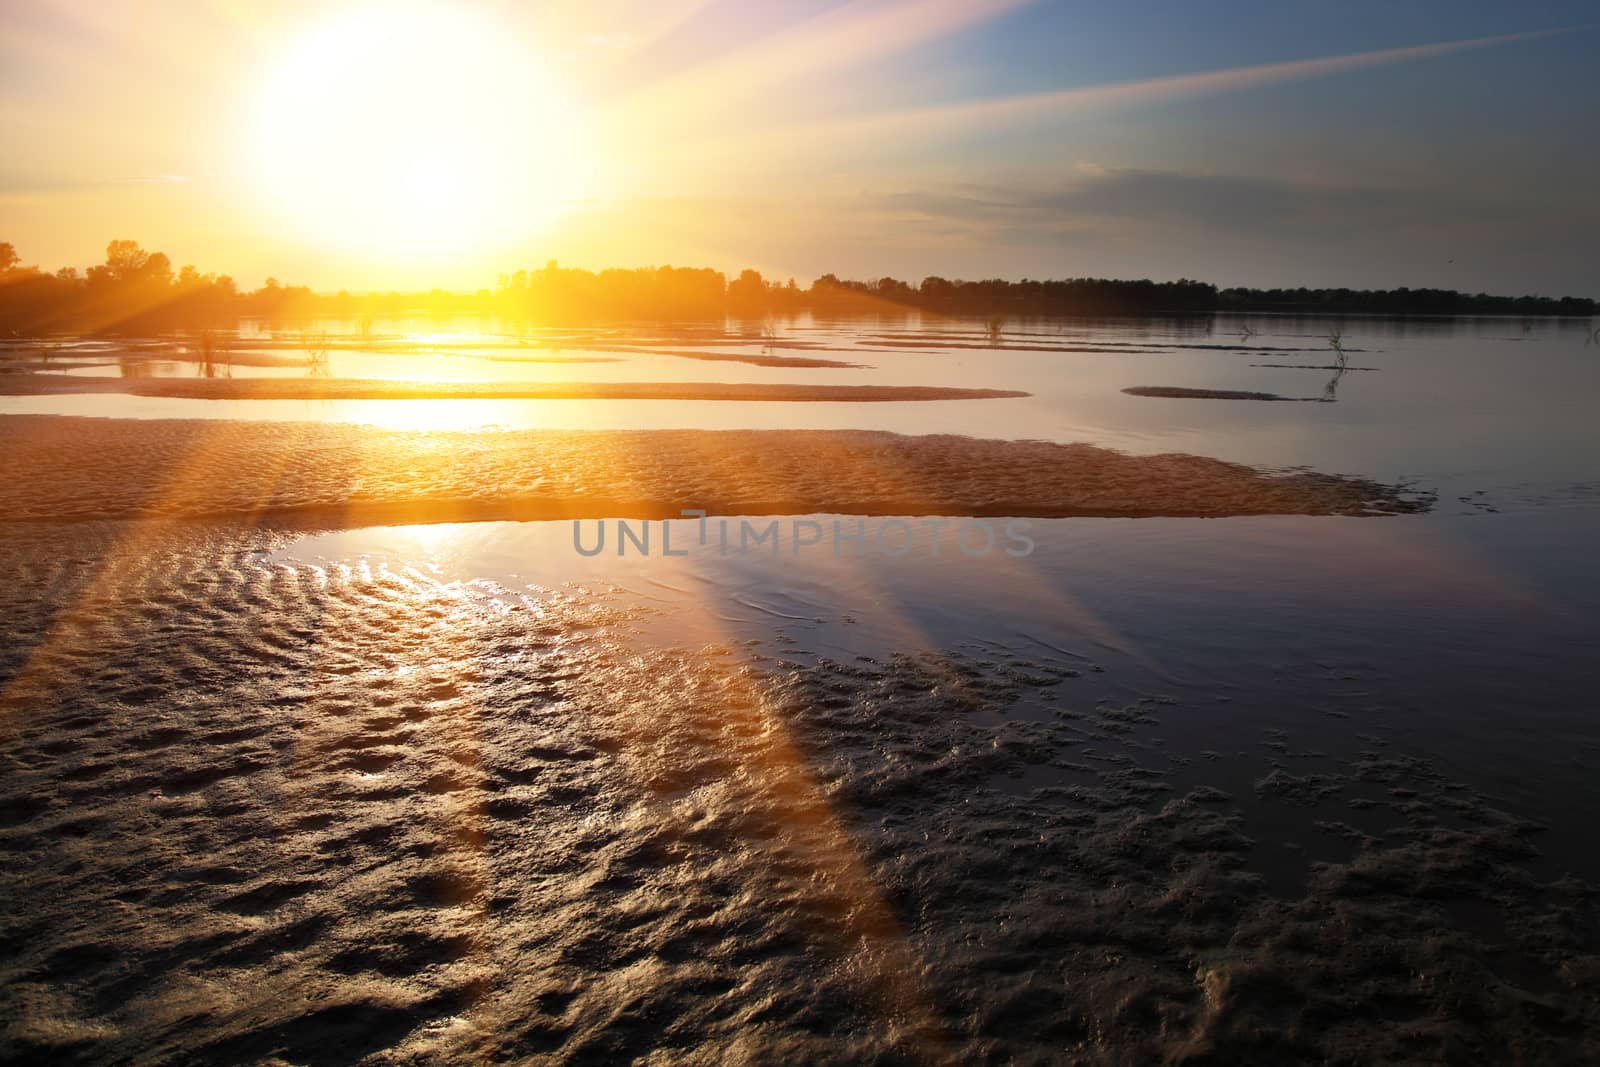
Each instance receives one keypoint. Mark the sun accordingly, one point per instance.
(414, 129)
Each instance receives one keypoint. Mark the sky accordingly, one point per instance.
(410, 144)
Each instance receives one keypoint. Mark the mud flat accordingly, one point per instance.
(332, 475)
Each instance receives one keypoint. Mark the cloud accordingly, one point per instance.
(1093, 198)
(45, 184)
(807, 52)
(1095, 98)
(984, 117)
(1258, 229)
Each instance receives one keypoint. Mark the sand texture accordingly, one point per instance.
(262, 812)
(333, 475)
(311, 388)
(1173, 392)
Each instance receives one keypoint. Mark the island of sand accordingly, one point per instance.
(383, 389)
(338, 475)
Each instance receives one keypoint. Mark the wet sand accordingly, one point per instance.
(254, 810)
(1173, 392)
(310, 388)
(324, 474)
(259, 356)
(766, 360)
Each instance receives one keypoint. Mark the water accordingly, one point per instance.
(1461, 638)
(1150, 779)
(1459, 405)
(1448, 634)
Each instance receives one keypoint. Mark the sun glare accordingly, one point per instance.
(414, 129)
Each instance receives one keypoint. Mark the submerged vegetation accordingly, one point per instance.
(138, 291)
(1341, 364)
(210, 350)
(315, 344)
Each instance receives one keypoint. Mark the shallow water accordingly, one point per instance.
(1463, 638)
(1501, 405)
(1265, 789)
(1280, 790)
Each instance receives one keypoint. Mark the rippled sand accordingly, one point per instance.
(383, 389)
(1172, 392)
(343, 475)
(252, 810)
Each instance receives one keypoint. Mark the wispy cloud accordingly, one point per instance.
(1083, 101)
(1185, 86)
(1233, 204)
(35, 183)
(1242, 228)
(1135, 222)
(850, 35)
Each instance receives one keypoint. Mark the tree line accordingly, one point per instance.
(1399, 302)
(135, 291)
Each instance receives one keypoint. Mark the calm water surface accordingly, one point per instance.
(1459, 405)
(1464, 634)
(1381, 693)
(1463, 639)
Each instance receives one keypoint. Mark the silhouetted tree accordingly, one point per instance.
(748, 292)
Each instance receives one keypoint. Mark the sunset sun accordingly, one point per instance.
(416, 130)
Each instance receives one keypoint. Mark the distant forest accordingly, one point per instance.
(135, 291)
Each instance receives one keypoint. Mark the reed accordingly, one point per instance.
(211, 354)
(316, 347)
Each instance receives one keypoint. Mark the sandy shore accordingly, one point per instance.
(326, 474)
(259, 355)
(1173, 392)
(378, 389)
